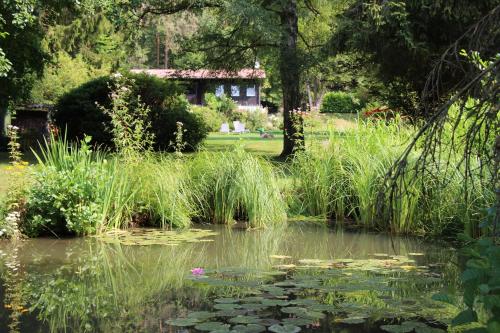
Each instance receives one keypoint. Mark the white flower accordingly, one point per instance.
(116, 75)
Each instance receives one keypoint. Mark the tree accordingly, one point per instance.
(242, 32)
(464, 124)
(406, 38)
(20, 52)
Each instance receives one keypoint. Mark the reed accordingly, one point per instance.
(344, 178)
(236, 185)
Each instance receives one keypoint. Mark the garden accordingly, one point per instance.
(361, 196)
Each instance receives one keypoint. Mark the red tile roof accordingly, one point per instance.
(247, 73)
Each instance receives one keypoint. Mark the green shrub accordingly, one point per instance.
(63, 198)
(339, 102)
(165, 125)
(76, 192)
(222, 104)
(253, 119)
(236, 186)
(78, 113)
(212, 118)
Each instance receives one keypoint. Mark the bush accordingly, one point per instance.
(253, 119)
(77, 192)
(164, 125)
(78, 113)
(223, 104)
(339, 102)
(212, 118)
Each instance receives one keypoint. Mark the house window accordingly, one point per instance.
(251, 91)
(219, 91)
(235, 91)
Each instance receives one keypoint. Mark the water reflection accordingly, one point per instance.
(85, 285)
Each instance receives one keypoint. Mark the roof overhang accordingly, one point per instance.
(204, 74)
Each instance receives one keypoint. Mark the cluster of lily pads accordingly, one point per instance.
(145, 237)
(302, 294)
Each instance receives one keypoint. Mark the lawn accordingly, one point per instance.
(316, 129)
(4, 175)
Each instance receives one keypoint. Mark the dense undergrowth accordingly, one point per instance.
(75, 190)
(343, 180)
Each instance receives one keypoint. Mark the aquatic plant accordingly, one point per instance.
(233, 186)
(343, 180)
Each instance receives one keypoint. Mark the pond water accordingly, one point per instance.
(306, 278)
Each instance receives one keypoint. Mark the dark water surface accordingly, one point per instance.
(335, 281)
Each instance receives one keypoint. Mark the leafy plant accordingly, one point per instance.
(130, 126)
(481, 284)
(212, 118)
(339, 102)
(78, 113)
(222, 104)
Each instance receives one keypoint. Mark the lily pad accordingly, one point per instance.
(275, 302)
(147, 237)
(245, 320)
(230, 313)
(183, 322)
(396, 328)
(251, 328)
(352, 320)
(212, 326)
(277, 256)
(226, 306)
(298, 321)
(202, 315)
(226, 300)
(284, 329)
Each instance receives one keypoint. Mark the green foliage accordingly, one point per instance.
(222, 104)
(345, 180)
(406, 37)
(130, 126)
(63, 198)
(78, 113)
(61, 76)
(211, 117)
(76, 191)
(165, 121)
(253, 119)
(480, 280)
(340, 102)
(236, 186)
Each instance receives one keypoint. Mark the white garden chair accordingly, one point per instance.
(224, 128)
(237, 127)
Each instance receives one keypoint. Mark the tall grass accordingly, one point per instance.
(236, 185)
(343, 180)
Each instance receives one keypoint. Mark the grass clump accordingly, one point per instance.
(231, 186)
(77, 191)
(343, 181)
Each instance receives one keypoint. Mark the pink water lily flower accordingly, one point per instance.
(197, 271)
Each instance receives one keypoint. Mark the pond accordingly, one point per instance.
(299, 278)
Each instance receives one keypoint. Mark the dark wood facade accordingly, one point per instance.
(242, 86)
(248, 91)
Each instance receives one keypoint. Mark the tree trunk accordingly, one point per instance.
(309, 96)
(165, 53)
(157, 50)
(290, 80)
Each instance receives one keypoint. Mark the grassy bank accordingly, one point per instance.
(339, 177)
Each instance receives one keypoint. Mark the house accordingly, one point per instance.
(242, 86)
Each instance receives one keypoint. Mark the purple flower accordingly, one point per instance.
(198, 271)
